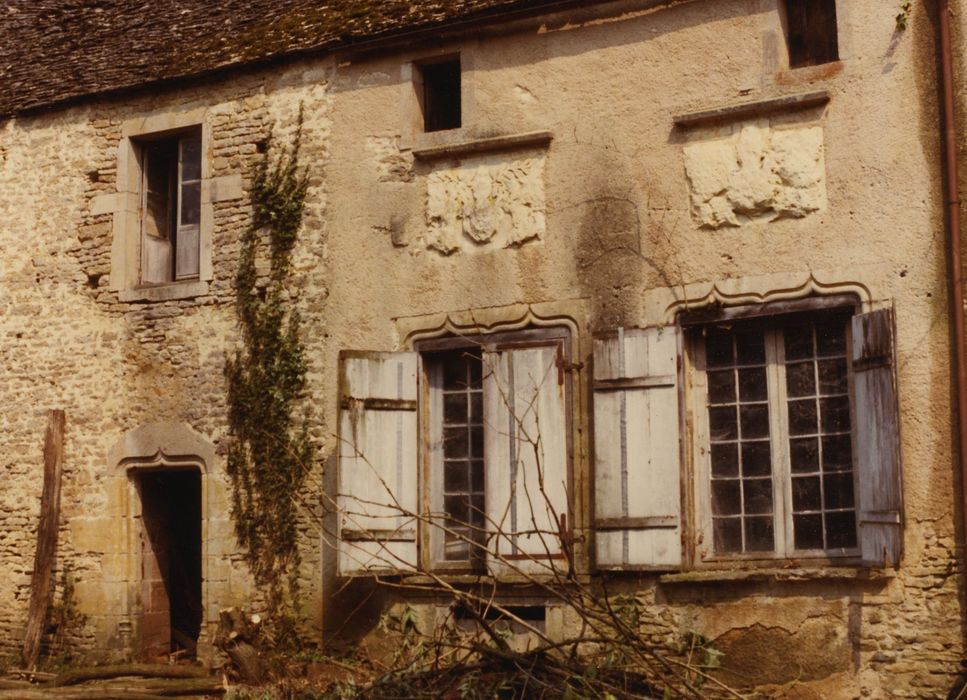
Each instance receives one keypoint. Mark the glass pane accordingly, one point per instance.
(752, 384)
(802, 417)
(721, 386)
(725, 459)
(718, 349)
(804, 454)
(758, 495)
(831, 339)
(454, 408)
(477, 514)
(456, 508)
(727, 534)
(475, 361)
(841, 529)
(801, 379)
(722, 423)
(798, 342)
(751, 348)
(806, 494)
(191, 158)
(725, 497)
(190, 204)
(833, 377)
(477, 476)
(758, 535)
(476, 407)
(477, 441)
(808, 531)
(838, 490)
(455, 372)
(455, 478)
(837, 453)
(455, 442)
(835, 413)
(756, 458)
(755, 421)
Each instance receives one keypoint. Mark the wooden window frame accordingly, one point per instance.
(431, 460)
(771, 317)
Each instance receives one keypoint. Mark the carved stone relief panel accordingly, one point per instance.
(485, 202)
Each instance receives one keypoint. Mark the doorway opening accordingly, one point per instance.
(170, 542)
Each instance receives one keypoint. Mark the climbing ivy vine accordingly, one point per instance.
(269, 449)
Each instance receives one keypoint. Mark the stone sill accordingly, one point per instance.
(493, 144)
(751, 110)
(772, 575)
(166, 292)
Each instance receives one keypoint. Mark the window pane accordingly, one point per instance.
(755, 421)
(804, 454)
(455, 477)
(758, 495)
(727, 535)
(476, 407)
(725, 459)
(722, 423)
(837, 453)
(802, 417)
(454, 408)
(476, 441)
(835, 413)
(831, 339)
(721, 386)
(718, 349)
(752, 384)
(808, 531)
(751, 348)
(838, 490)
(758, 535)
(841, 529)
(191, 158)
(833, 377)
(726, 498)
(456, 442)
(806, 494)
(801, 379)
(798, 342)
(477, 476)
(756, 458)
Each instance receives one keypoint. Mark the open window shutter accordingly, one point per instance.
(189, 208)
(637, 454)
(525, 433)
(879, 502)
(377, 463)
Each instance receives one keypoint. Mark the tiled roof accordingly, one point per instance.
(57, 50)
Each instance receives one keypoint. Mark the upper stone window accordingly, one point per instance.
(440, 94)
(170, 208)
(811, 32)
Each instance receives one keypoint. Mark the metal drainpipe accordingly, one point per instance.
(952, 197)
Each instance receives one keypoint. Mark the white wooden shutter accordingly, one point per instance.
(877, 449)
(637, 455)
(189, 208)
(526, 459)
(378, 473)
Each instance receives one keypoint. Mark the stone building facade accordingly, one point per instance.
(645, 179)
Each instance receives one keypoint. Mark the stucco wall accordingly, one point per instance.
(617, 229)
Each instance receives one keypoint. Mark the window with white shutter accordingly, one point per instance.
(378, 474)
(796, 437)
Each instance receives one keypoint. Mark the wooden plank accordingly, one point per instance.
(378, 471)
(877, 433)
(40, 588)
(637, 452)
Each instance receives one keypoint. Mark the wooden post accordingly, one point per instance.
(46, 537)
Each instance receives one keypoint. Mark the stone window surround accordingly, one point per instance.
(125, 205)
(411, 113)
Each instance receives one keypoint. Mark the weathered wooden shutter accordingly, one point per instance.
(377, 462)
(526, 456)
(637, 455)
(189, 208)
(879, 500)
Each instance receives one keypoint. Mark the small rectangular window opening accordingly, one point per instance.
(811, 32)
(171, 208)
(441, 94)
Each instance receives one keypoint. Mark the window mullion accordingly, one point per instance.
(779, 445)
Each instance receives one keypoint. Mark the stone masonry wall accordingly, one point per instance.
(625, 217)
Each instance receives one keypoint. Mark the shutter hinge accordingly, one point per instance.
(563, 366)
